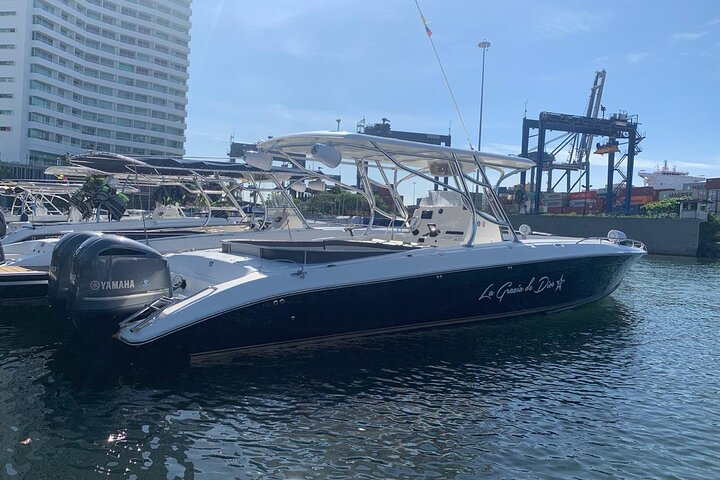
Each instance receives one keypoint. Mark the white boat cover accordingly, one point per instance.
(368, 147)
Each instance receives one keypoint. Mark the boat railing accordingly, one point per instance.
(626, 242)
(629, 242)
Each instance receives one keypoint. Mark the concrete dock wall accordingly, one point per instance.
(663, 236)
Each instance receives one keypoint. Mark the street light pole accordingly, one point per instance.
(484, 45)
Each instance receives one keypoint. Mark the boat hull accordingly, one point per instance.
(426, 301)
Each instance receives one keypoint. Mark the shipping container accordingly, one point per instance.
(577, 210)
(582, 203)
(582, 195)
(712, 184)
(677, 193)
(657, 193)
(694, 186)
(642, 190)
(640, 199)
(553, 195)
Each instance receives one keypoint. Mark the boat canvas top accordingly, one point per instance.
(369, 147)
(109, 163)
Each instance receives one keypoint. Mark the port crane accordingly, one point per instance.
(579, 134)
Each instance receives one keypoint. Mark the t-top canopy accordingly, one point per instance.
(109, 163)
(368, 147)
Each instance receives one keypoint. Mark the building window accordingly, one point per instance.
(7, 63)
(35, 68)
(5, 112)
(40, 102)
(5, 129)
(42, 158)
(37, 85)
(41, 134)
(37, 117)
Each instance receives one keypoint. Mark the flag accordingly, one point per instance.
(425, 24)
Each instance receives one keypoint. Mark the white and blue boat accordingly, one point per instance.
(455, 262)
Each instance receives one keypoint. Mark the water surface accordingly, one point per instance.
(625, 388)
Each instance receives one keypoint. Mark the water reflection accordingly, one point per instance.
(584, 393)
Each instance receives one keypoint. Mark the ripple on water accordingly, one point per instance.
(624, 388)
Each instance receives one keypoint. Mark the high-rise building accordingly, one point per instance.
(104, 75)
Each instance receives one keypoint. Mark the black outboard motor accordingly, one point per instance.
(2, 254)
(61, 266)
(3, 225)
(111, 278)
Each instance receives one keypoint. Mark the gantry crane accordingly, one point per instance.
(580, 133)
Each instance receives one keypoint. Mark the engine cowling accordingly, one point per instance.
(3, 225)
(113, 277)
(61, 266)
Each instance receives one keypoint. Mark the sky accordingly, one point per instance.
(262, 68)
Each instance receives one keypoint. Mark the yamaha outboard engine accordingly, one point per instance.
(61, 266)
(3, 225)
(111, 278)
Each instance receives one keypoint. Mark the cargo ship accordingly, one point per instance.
(665, 179)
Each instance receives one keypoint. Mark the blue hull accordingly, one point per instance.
(392, 306)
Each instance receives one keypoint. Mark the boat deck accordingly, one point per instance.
(12, 269)
(20, 284)
(317, 251)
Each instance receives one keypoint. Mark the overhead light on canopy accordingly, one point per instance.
(441, 168)
(283, 176)
(326, 154)
(299, 187)
(260, 160)
(444, 168)
(317, 185)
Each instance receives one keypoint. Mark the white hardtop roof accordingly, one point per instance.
(368, 147)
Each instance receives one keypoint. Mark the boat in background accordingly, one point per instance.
(99, 203)
(273, 216)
